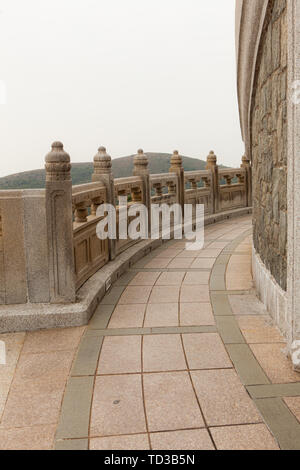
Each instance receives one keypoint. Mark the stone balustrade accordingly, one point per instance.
(48, 242)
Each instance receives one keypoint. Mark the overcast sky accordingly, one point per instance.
(156, 74)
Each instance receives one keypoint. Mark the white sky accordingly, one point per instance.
(156, 74)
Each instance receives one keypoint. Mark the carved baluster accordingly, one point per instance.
(96, 202)
(137, 195)
(81, 212)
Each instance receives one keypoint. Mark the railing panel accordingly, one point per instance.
(132, 189)
(199, 189)
(90, 253)
(232, 196)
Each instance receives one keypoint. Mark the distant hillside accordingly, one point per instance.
(82, 172)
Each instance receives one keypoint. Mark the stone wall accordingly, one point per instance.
(269, 144)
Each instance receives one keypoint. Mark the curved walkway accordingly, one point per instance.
(179, 355)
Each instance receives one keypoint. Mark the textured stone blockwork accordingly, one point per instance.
(269, 144)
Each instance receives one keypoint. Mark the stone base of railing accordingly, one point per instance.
(31, 317)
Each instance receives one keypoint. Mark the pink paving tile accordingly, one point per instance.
(145, 279)
(209, 253)
(120, 355)
(37, 389)
(160, 315)
(181, 263)
(161, 295)
(195, 439)
(171, 279)
(259, 329)
(128, 316)
(52, 340)
(163, 353)
(248, 437)
(194, 294)
(203, 263)
(223, 398)
(133, 442)
(294, 405)
(196, 314)
(197, 278)
(29, 438)
(170, 402)
(170, 253)
(117, 407)
(158, 263)
(135, 295)
(275, 362)
(205, 351)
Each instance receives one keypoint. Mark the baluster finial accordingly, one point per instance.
(102, 162)
(176, 161)
(140, 163)
(58, 166)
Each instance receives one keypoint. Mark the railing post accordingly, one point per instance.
(103, 173)
(213, 167)
(141, 169)
(176, 167)
(60, 225)
(247, 165)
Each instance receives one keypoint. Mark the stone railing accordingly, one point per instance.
(48, 242)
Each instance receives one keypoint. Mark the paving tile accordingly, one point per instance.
(275, 363)
(218, 245)
(125, 279)
(195, 439)
(246, 365)
(52, 340)
(158, 263)
(163, 353)
(101, 317)
(133, 442)
(112, 297)
(248, 437)
(161, 295)
(246, 305)
(120, 355)
(205, 351)
(220, 304)
(204, 263)
(128, 316)
(72, 444)
(189, 254)
(117, 406)
(13, 345)
(160, 315)
(135, 295)
(170, 402)
(170, 253)
(194, 314)
(74, 419)
(179, 263)
(229, 330)
(294, 405)
(29, 438)
(281, 421)
(87, 357)
(37, 390)
(194, 294)
(223, 399)
(209, 253)
(258, 329)
(196, 278)
(171, 279)
(275, 390)
(145, 279)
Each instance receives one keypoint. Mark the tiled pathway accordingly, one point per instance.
(179, 355)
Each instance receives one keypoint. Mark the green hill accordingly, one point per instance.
(82, 172)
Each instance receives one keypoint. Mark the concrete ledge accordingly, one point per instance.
(270, 294)
(31, 317)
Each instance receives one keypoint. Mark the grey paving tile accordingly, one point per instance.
(72, 444)
(229, 330)
(125, 279)
(113, 296)
(101, 317)
(119, 332)
(281, 421)
(217, 282)
(274, 390)
(184, 330)
(220, 304)
(75, 412)
(246, 365)
(87, 357)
